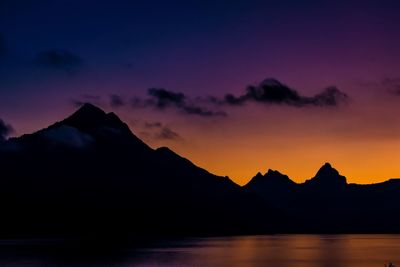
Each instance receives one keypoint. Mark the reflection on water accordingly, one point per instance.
(249, 251)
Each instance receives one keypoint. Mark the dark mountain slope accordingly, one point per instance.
(90, 174)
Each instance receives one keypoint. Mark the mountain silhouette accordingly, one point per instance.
(88, 175)
(326, 203)
(273, 187)
(327, 177)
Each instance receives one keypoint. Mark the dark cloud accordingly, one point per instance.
(67, 136)
(117, 101)
(196, 110)
(164, 98)
(161, 99)
(150, 125)
(157, 130)
(387, 85)
(5, 130)
(167, 134)
(392, 85)
(59, 60)
(331, 96)
(271, 91)
(137, 102)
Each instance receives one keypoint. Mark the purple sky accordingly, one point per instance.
(54, 54)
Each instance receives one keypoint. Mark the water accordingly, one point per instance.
(249, 251)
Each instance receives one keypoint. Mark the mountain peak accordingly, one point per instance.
(89, 111)
(91, 123)
(90, 106)
(90, 117)
(329, 176)
(327, 165)
(273, 172)
(258, 175)
(327, 170)
(272, 179)
(277, 177)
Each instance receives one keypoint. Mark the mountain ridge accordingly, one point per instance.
(88, 115)
(89, 174)
(81, 176)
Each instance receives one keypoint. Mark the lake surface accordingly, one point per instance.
(249, 251)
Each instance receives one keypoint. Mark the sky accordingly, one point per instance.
(237, 87)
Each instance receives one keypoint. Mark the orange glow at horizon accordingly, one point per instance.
(363, 145)
(364, 150)
(360, 164)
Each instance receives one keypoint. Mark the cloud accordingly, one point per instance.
(167, 134)
(5, 130)
(67, 136)
(77, 103)
(268, 92)
(116, 101)
(392, 84)
(331, 96)
(59, 60)
(157, 130)
(389, 85)
(196, 110)
(150, 125)
(271, 91)
(162, 99)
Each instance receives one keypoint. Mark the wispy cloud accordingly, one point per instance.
(117, 101)
(392, 84)
(159, 131)
(5, 130)
(268, 92)
(167, 134)
(273, 92)
(62, 60)
(162, 99)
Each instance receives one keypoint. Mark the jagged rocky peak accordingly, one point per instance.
(274, 173)
(272, 179)
(258, 175)
(277, 177)
(88, 108)
(327, 175)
